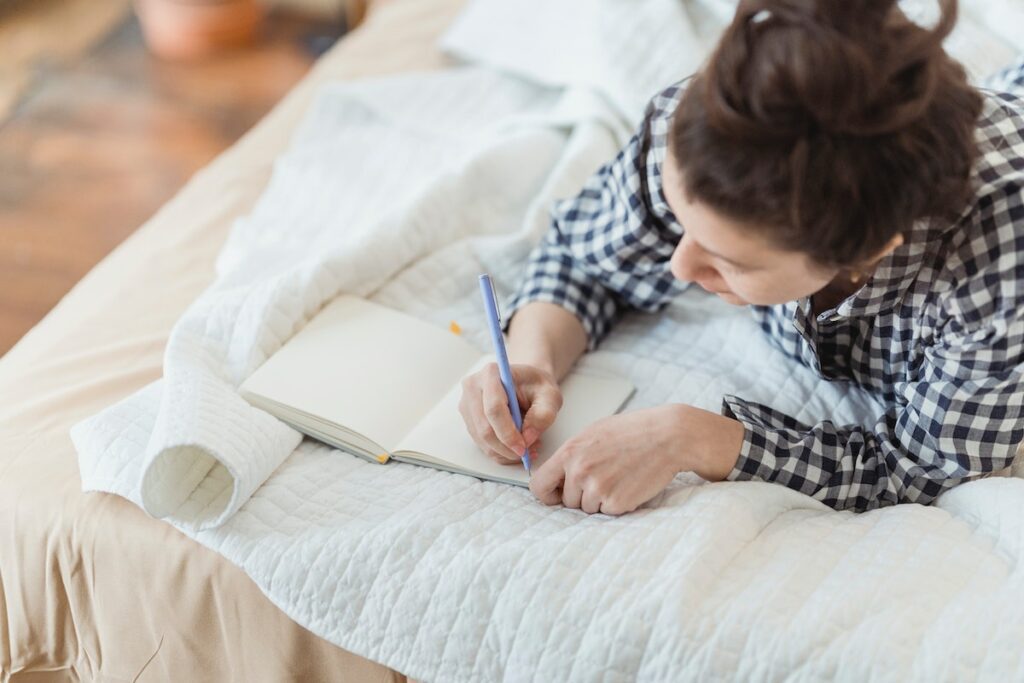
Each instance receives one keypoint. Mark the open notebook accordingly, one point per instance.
(385, 385)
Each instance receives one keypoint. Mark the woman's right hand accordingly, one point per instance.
(484, 408)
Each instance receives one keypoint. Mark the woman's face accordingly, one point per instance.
(732, 262)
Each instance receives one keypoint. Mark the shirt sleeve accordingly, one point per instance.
(963, 418)
(609, 247)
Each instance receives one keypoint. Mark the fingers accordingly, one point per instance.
(590, 501)
(497, 412)
(488, 417)
(493, 447)
(546, 481)
(489, 442)
(572, 493)
(543, 410)
(479, 428)
(553, 485)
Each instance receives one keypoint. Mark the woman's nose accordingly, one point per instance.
(687, 262)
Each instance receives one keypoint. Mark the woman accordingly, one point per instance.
(831, 168)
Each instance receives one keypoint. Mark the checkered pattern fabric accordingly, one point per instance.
(937, 331)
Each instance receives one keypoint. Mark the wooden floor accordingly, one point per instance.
(92, 148)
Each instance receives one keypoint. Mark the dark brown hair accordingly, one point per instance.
(832, 125)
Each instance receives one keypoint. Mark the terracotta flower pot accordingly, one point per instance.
(186, 29)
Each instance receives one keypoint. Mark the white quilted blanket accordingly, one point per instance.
(403, 190)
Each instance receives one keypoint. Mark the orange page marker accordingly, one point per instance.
(454, 327)
(383, 457)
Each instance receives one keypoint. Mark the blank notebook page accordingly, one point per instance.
(371, 369)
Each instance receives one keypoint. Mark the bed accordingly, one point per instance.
(74, 568)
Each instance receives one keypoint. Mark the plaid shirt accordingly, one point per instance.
(937, 331)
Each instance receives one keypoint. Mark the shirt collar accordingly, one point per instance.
(891, 279)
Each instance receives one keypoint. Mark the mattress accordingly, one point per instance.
(91, 588)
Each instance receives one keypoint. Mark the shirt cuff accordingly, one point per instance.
(757, 458)
(595, 315)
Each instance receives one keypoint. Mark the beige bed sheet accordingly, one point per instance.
(91, 588)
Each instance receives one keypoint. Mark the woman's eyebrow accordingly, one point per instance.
(734, 262)
(726, 258)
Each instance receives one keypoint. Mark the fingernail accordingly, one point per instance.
(529, 435)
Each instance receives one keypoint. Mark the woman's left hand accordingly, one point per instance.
(620, 462)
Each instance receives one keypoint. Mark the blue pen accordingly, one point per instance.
(494, 322)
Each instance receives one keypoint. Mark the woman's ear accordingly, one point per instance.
(857, 274)
(890, 246)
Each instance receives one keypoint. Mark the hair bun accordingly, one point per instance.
(845, 67)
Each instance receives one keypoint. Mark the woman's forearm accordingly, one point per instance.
(546, 336)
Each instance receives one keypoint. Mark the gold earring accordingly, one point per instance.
(856, 276)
